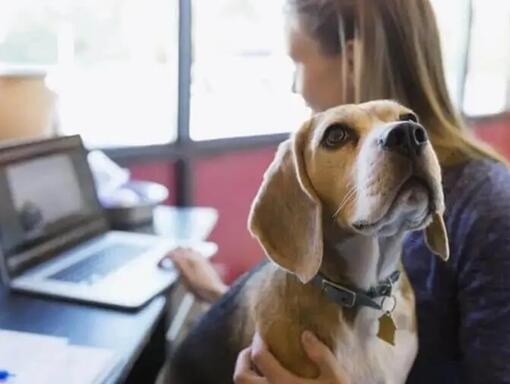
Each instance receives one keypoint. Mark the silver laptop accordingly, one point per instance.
(54, 236)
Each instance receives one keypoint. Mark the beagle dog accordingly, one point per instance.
(331, 215)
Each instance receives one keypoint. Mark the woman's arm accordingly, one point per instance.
(256, 365)
(483, 280)
(480, 229)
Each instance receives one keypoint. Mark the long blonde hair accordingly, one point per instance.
(397, 55)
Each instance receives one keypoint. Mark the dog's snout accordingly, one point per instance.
(406, 138)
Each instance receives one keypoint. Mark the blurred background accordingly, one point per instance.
(196, 94)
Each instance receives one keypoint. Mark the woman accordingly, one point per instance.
(350, 51)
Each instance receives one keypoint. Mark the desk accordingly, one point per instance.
(139, 337)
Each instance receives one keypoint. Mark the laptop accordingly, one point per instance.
(54, 236)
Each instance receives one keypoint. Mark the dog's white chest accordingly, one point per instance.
(368, 359)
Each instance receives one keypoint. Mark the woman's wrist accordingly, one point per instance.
(219, 291)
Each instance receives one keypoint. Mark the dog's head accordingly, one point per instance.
(370, 168)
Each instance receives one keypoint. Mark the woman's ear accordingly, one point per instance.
(286, 215)
(436, 237)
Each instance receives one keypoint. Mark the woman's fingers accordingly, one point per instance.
(318, 352)
(198, 274)
(267, 364)
(176, 258)
(321, 355)
(270, 371)
(188, 262)
(183, 264)
(182, 257)
(243, 365)
(244, 374)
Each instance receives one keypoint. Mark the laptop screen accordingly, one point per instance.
(45, 197)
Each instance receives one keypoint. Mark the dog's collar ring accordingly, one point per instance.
(393, 303)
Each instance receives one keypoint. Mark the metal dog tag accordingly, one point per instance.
(387, 329)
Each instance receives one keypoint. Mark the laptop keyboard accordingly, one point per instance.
(99, 264)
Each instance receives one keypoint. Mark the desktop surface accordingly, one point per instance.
(123, 332)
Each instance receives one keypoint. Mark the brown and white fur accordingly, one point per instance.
(338, 199)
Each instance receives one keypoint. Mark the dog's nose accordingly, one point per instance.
(406, 138)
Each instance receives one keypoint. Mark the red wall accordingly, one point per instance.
(229, 182)
(497, 133)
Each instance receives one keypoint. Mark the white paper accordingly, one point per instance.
(34, 358)
(86, 365)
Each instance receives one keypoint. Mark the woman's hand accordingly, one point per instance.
(256, 365)
(197, 274)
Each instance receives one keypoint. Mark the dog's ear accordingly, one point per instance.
(436, 237)
(285, 216)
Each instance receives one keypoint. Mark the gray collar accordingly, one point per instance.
(352, 297)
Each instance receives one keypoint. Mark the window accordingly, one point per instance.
(113, 64)
(453, 23)
(485, 39)
(241, 75)
(488, 76)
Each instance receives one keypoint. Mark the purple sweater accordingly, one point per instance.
(463, 305)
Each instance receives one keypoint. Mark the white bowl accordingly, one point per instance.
(133, 204)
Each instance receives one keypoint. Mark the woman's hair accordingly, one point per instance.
(397, 55)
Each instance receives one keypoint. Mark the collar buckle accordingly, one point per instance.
(347, 297)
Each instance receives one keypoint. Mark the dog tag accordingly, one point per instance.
(387, 329)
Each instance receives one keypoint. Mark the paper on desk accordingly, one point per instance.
(85, 365)
(42, 359)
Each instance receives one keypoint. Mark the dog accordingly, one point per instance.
(331, 215)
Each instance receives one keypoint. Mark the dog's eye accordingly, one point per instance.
(336, 135)
(408, 117)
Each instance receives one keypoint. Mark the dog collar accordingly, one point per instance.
(352, 297)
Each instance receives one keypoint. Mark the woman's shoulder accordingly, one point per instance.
(477, 196)
(477, 184)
